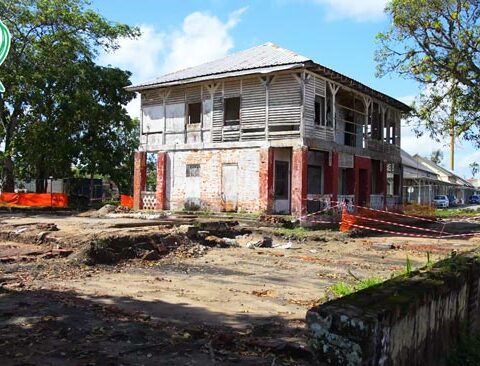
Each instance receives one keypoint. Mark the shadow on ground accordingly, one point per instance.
(46, 327)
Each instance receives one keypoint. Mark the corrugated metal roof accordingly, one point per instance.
(263, 56)
(267, 57)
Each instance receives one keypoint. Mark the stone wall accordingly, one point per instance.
(409, 320)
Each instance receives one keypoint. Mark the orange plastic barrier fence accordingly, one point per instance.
(347, 221)
(34, 199)
(126, 201)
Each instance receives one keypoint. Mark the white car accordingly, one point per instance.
(441, 201)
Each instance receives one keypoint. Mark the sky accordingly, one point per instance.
(339, 34)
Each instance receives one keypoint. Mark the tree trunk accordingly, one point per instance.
(41, 185)
(8, 184)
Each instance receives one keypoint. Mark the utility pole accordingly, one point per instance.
(452, 132)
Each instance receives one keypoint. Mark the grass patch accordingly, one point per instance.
(343, 289)
(297, 232)
(453, 212)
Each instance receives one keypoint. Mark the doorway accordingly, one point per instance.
(229, 187)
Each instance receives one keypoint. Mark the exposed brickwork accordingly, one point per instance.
(207, 188)
(161, 180)
(299, 180)
(139, 178)
(266, 180)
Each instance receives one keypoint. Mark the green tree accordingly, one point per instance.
(54, 90)
(436, 156)
(474, 168)
(435, 42)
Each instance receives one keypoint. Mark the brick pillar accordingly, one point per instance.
(139, 178)
(331, 175)
(384, 181)
(266, 180)
(299, 180)
(161, 180)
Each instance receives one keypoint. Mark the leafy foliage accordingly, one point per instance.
(61, 109)
(435, 42)
(474, 168)
(436, 156)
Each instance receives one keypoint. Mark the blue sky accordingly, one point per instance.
(339, 34)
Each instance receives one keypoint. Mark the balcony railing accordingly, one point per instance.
(381, 146)
(377, 201)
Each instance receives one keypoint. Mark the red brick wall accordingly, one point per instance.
(266, 180)
(331, 175)
(366, 164)
(161, 180)
(299, 180)
(139, 178)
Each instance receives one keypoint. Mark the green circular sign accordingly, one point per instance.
(5, 38)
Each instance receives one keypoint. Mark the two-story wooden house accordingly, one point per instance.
(266, 129)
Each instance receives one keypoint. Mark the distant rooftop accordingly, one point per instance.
(262, 59)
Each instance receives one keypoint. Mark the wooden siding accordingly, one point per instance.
(284, 107)
(315, 86)
(273, 107)
(253, 112)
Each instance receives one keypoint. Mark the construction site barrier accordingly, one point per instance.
(126, 201)
(34, 199)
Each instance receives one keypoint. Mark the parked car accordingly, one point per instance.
(441, 201)
(474, 199)
(452, 201)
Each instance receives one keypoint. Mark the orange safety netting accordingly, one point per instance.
(126, 201)
(347, 221)
(34, 199)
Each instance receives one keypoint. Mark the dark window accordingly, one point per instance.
(342, 181)
(281, 179)
(319, 110)
(232, 111)
(194, 113)
(314, 179)
(193, 170)
(329, 109)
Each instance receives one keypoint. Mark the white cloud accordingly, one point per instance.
(140, 56)
(202, 37)
(358, 10)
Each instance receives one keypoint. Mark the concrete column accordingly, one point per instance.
(266, 180)
(161, 180)
(139, 178)
(299, 180)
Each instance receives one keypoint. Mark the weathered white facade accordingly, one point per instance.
(252, 111)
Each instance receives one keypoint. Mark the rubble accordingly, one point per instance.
(266, 242)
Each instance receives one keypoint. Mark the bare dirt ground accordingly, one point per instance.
(186, 302)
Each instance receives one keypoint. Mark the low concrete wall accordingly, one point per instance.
(409, 320)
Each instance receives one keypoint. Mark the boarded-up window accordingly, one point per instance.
(319, 110)
(152, 119)
(231, 111)
(175, 117)
(281, 179)
(194, 113)
(193, 170)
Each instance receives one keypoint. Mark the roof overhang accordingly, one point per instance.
(354, 84)
(221, 75)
